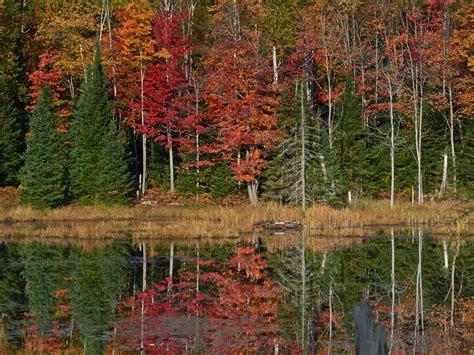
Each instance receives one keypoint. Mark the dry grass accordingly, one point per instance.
(216, 221)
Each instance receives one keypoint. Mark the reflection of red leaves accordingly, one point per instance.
(246, 259)
(64, 309)
(62, 293)
(237, 306)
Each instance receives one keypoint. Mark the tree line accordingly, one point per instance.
(298, 102)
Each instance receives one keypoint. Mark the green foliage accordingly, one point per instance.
(11, 286)
(12, 91)
(115, 181)
(466, 160)
(43, 276)
(297, 277)
(98, 281)
(221, 181)
(98, 160)
(11, 143)
(43, 175)
(352, 142)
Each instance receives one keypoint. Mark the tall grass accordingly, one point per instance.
(217, 221)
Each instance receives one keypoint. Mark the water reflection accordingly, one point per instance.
(272, 294)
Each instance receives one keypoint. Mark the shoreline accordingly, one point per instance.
(194, 221)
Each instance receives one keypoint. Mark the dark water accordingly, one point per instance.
(274, 294)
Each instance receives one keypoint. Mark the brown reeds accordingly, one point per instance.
(216, 221)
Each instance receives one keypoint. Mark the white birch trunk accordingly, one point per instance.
(453, 271)
(392, 143)
(392, 277)
(303, 151)
(171, 160)
(444, 181)
(275, 67)
(451, 136)
(330, 318)
(445, 254)
(142, 116)
(170, 274)
(303, 292)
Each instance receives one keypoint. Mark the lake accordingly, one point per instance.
(402, 290)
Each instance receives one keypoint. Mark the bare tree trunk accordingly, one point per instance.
(330, 318)
(303, 151)
(419, 316)
(329, 88)
(170, 275)
(252, 188)
(275, 67)
(451, 136)
(142, 311)
(444, 182)
(198, 153)
(143, 267)
(392, 143)
(171, 160)
(418, 148)
(303, 292)
(392, 276)
(198, 268)
(445, 253)
(142, 115)
(453, 271)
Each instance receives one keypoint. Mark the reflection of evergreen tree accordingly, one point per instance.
(11, 288)
(43, 275)
(295, 274)
(99, 278)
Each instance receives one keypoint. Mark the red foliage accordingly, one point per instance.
(236, 308)
(47, 74)
(242, 101)
(165, 79)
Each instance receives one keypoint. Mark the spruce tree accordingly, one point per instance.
(115, 182)
(42, 176)
(12, 92)
(11, 142)
(98, 169)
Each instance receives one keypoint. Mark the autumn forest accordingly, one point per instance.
(294, 101)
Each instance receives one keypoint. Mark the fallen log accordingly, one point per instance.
(278, 227)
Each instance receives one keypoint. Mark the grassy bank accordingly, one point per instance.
(209, 221)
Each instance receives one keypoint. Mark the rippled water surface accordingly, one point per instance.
(411, 290)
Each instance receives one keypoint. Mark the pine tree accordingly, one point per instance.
(115, 181)
(300, 153)
(42, 176)
(98, 161)
(12, 90)
(11, 143)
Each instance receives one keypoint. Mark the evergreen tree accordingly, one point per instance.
(42, 272)
(466, 159)
(11, 142)
(12, 91)
(115, 181)
(300, 153)
(274, 188)
(352, 142)
(98, 161)
(42, 176)
(327, 178)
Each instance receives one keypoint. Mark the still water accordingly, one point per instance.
(412, 291)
